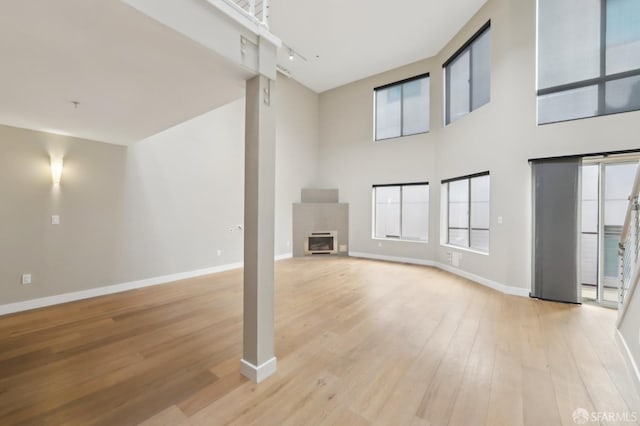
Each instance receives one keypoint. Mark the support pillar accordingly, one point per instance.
(258, 358)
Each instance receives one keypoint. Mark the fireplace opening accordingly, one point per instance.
(321, 243)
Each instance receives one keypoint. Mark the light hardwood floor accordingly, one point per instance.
(358, 342)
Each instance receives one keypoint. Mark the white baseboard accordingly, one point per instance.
(506, 289)
(631, 363)
(118, 288)
(514, 291)
(283, 256)
(259, 373)
(410, 260)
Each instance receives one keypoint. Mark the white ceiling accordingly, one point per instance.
(132, 76)
(347, 40)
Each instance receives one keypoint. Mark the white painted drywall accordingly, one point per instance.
(161, 206)
(500, 137)
(80, 252)
(630, 332)
(296, 153)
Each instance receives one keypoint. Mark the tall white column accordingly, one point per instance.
(258, 359)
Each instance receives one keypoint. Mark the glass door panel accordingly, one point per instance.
(618, 183)
(590, 223)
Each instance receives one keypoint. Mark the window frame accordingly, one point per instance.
(401, 84)
(466, 47)
(373, 211)
(600, 82)
(447, 227)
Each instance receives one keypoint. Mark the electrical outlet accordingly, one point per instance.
(219, 252)
(26, 279)
(288, 243)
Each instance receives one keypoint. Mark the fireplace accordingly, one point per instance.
(325, 242)
(320, 224)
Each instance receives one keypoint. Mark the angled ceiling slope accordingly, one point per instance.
(344, 41)
(132, 76)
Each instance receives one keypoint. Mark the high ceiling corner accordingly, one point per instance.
(102, 70)
(130, 75)
(337, 42)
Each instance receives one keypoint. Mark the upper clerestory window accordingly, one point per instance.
(588, 58)
(402, 108)
(468, 76)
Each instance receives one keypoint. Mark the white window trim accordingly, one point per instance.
(426, 75)
(401, 240)
(373, 215)
(466, 46)
(444, 218)
(467, 249)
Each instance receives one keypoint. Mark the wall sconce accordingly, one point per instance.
(56, 170)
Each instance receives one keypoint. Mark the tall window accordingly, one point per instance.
(468, 77)
(588, 58)
(468, 211)
(402, 108)
(401, 212)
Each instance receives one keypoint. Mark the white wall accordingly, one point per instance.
(500, 137)
(184, 190)
(84, 248)
(161, 206)
(296, 153)
(352, 162)
(185, 186)
(630, 333)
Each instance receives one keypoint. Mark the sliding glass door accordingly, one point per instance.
(618, 184)
(590, 231)
(606, 186)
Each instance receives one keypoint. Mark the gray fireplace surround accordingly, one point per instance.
(320, 211)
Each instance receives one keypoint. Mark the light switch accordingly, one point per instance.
(500, 220)
(55, 219)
